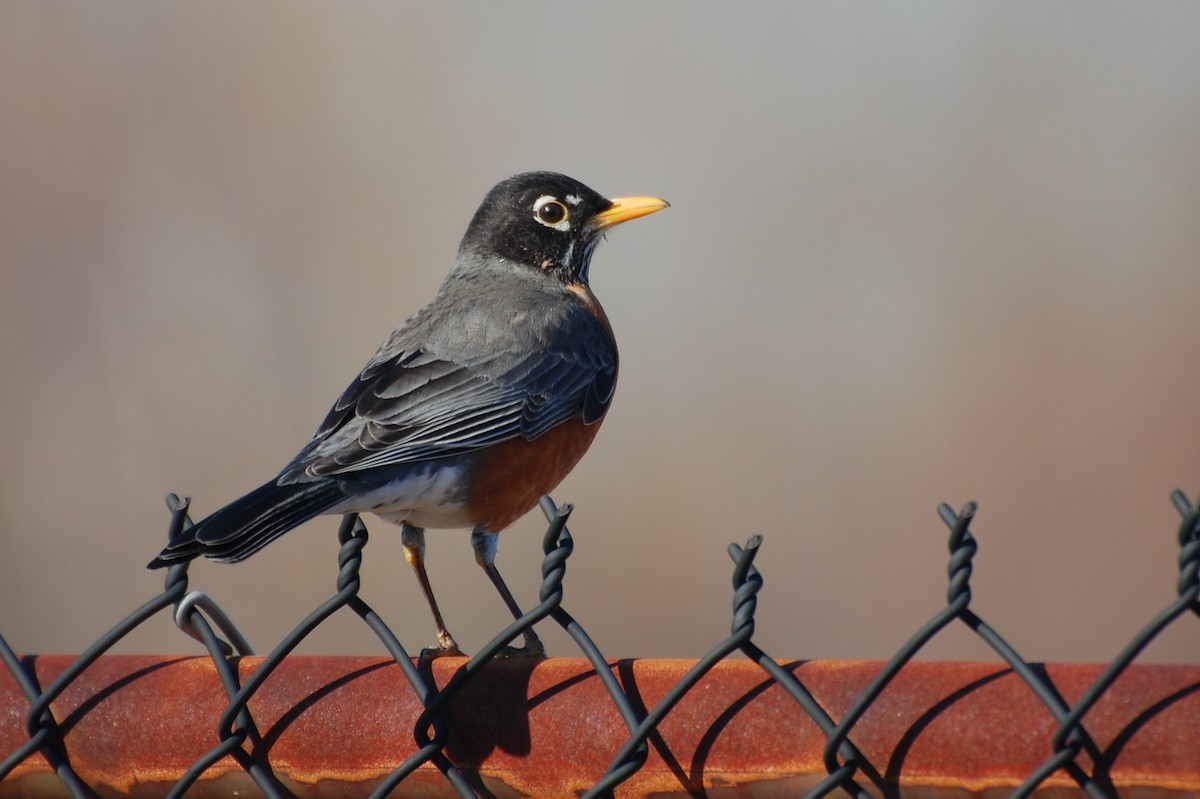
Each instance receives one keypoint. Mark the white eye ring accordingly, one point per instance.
(551, 212)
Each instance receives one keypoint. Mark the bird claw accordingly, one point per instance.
(446, 648)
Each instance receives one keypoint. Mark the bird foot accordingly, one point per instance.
(447, 648)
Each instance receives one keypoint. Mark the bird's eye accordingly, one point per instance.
(551, 213)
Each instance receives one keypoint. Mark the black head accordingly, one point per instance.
(549, 222)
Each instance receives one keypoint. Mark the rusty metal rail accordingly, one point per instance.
(336, 726)
(232, 723)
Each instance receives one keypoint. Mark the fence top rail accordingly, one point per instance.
(133, 722)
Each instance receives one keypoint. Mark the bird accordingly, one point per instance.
(470, 411)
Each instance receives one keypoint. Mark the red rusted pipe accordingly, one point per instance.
(336, 726)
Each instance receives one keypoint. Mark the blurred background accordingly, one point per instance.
(937, 251)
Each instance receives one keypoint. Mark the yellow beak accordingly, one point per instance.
(625, 208)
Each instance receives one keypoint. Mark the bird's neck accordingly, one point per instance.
(588, 299)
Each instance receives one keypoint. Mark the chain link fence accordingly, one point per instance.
(1073, 752)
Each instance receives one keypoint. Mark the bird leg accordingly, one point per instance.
(486, 544)
(413, 539)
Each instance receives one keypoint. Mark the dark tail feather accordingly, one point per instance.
(246, 525)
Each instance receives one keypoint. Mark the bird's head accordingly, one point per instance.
(549, 222)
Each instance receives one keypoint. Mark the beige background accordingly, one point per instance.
(917, 253)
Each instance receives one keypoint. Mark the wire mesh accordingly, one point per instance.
(1074, 752)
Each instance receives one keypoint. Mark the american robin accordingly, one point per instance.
(474, 408)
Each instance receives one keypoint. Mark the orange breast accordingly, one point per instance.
(511, 477)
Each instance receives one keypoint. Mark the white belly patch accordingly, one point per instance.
(430, 497)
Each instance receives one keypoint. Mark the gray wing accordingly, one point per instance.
(410, 404)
